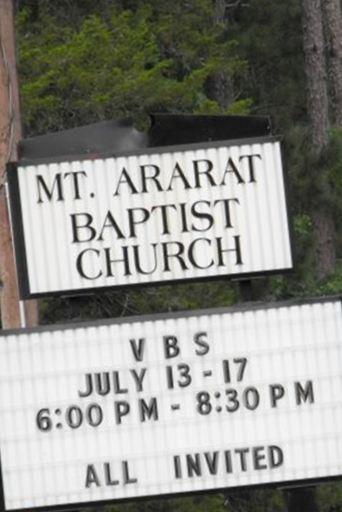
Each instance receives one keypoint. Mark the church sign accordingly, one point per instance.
(157, 216)
(169, 404)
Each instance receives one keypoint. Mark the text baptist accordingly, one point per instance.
(169, 220)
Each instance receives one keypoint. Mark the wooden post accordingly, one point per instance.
(246, 290)
(301, 499)
(14, 313)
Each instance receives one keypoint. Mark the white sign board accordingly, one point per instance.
(167, 214)
(171, 404)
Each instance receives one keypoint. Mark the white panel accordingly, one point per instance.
(244, 398)
(176, 224)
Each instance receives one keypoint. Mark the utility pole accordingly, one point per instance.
(14, 313)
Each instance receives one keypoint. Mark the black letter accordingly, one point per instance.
(138, 266)
(191, 254)
(102, 384)
(57, 180)
(125, 471)
(138, 351)
(227, 209)
(304, 394)
(277, 392)
(121, 409)
(92, 477)
(111, 224)
(201, 215)
(124, 174)
(177, 255)
(242, 452)
(133, 221)
(75, 182)
(193, 465)
(171, 348)
(276, 456)
(89, 386)
(251, 165)
(75, 228)
(165, 220)
(179, 174)
(237, 250)
(258, 456)
(144, 178)
(108, 476)
(124, 260)
(177, 466)
(198, 339)
(207, 171)
(79, 264)
(138, 378)
(212, 462)
(231, 167)
(150, 410)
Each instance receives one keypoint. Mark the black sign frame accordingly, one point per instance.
(18, 228)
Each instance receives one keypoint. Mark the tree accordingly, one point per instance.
(315, 70)
(219, 84)
(120, 62)
(317, 99)
(332, 18)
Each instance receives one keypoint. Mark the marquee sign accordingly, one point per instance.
(170, 404)
(162, 215)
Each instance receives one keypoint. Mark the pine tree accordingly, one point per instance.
(332, 17)
(317, 99)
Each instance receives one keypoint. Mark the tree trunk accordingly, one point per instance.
(333, 33)
(220, 89)
(219, 85)
(10, 132)
(324, 239)
(317, 92)
(318, 111)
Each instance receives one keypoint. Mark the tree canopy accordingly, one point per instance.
(121, 62)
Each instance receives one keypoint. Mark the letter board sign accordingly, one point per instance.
(171, 404)
(162, 215)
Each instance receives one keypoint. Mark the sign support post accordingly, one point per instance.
(10, 131)
(301, 499)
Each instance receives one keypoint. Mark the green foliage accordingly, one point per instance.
(214, 503)
(269, 37)
(146, 300)
(314, 179)
(120, 63)
(330, 498)
(237, 501)
(327, 175)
